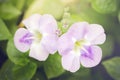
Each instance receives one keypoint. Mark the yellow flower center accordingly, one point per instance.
(79, 45)
(37, 36)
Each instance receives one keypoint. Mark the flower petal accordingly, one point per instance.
(48, 24)
(21, 43)
(95, 34)
(100, 39)
(65, 44)
(71, 62)
(92, 58)
(32, 22)
(38, 52)
(78, 30)
(50, 43)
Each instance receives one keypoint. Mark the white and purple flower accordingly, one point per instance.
(79, 46)
(39, 36)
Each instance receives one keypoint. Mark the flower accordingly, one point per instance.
(79, 46)
(39, 36)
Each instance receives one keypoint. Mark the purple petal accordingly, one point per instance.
(50, 43)
(26, 39)
(32, 22)
(48, 24)
(91, 57)
(95, 34)
(22, 39)
(71, 62)
(78, 30)
(37, 51)
(65, 44)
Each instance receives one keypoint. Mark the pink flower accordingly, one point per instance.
(39, 36)
(79, 46)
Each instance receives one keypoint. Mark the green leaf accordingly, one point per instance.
(6, 71)
(105, 6)
(4, 32)
(8, 11)
(10, 71)
(113, 67)
(25, 72)
(119, 16)
(54, 8)
(19, 4)
(52, 66)
(109, 42)
(81, 74)
(39, 75)
(84, 12)
(14, 55)
(2, 1)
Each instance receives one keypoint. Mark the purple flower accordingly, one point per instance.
(79, 46)
(39, 36)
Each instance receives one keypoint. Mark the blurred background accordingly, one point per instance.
(15, 65)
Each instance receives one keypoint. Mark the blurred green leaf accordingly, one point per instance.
(54, 8)
(19, 4)
(97, 76)
(52, 66)
(84, 12)
(119, 16)
(3, 45)
(113, 67)
(2, 1)
(29, 2)
(81, 74)
(116, 29)
(10, 71)
(6, 71)
(109, 42)
(39, 75)
(14, 55)
(13, 29)
(25, 72)
(105, 6)
(4, 32)
(12, 25)
(8, 11)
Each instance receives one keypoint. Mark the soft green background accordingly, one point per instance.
(15, 65)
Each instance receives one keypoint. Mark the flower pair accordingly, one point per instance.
(77, 45)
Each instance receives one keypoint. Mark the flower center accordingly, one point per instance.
(79, 45)
(37, 36)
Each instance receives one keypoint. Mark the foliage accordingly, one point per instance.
(19, 66)
(112, 66)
